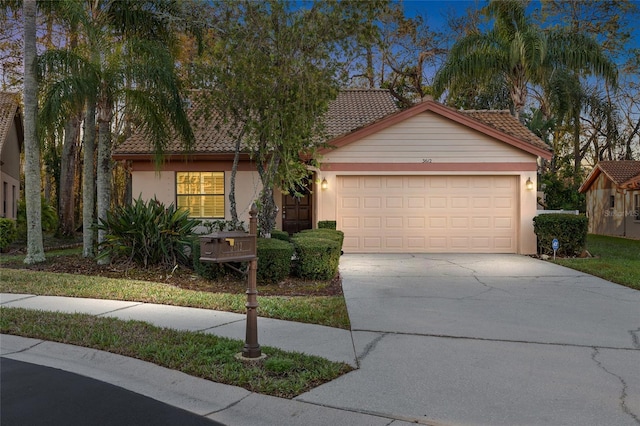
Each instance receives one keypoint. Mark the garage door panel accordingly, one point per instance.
(428, 213)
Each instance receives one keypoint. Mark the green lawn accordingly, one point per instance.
(324, 310)
(282, 374)
(614, 259)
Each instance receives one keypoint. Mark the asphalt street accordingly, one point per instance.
(34, 395)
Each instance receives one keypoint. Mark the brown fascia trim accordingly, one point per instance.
(430, 167)
(593, 175)
(173, 157)
(633, 183)
(444, 112)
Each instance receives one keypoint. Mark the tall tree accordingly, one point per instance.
(35, 244)
(518, 53)
(127, 58)
(275, 75)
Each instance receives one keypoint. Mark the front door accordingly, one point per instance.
(296, 212)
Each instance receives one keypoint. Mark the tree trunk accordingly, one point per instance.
(32, 172)
(103, 172)
(268, 207)
(66, 196)
(233, 208)
(88, 183)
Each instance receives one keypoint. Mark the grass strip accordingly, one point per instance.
(615, 259)
(282, 374)
(324, 310)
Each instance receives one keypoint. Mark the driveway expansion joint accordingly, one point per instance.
(485, 339)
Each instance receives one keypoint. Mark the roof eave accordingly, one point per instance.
(180, 156)
(444, 112)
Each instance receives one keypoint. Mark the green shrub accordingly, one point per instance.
(274, 260)
(148, 234)
(208, 270)
(328, 233)
(327, 224)
(8, 232)
(49, 217)
(212, 226)
(316, 258)
(280, 235)
(570, 231)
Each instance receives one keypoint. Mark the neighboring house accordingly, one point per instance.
(425, 179)
(11, 140)
(613, 198)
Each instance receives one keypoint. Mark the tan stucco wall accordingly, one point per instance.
(10, 174)
(620, 220)
(149, 184)
(427, 136)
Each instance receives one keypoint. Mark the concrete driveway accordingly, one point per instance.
(487, 340)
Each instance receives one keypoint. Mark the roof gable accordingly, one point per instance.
(9, 114)
(623, 173)
(500, 125)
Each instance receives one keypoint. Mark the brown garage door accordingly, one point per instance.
(413, 214)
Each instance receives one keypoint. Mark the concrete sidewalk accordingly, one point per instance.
(229, 405)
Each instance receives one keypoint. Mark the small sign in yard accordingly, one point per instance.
(555, 245)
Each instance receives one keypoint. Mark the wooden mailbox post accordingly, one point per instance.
(222, 247)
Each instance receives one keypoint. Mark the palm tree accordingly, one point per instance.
(518, 53)
(125, 60)
(35, 244)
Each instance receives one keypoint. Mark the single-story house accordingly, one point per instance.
(11, 141)
(613, 198)
(424, 179)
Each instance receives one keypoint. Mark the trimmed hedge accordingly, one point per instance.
(8, 232)
(280, 235)
(328, 233)
(317, 258)
(327, 224)
(570, 231)
(274, 260)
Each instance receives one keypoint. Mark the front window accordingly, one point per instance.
(202, 193)
(636, 206)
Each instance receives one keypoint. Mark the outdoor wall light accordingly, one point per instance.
(529, 184)
(324, 185)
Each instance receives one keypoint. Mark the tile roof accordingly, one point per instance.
(353, 109)
(624, 173)
(505, 122)
(356, 108)
(8, 107)
(620, 171)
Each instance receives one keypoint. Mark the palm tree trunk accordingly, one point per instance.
(32, 185)
(103, 173)
(66, 196)
(88, 183)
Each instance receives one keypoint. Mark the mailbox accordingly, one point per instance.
(234, 246)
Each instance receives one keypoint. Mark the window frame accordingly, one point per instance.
(636, 206)
(220, 196)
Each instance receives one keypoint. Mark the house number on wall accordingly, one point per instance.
(427, 160)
